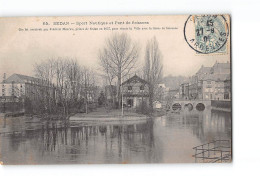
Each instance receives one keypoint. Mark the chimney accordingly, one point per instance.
(4, 78)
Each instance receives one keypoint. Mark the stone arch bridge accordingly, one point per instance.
(177, 105)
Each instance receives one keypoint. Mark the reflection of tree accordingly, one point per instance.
(15, 141)
(106, 144)
(103, 130)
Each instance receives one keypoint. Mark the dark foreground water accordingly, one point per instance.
(167, 139)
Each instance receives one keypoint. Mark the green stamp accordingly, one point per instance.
(207, 33)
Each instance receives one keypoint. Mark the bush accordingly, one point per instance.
(144, 108)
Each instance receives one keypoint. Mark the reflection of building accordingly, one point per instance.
(135, 91)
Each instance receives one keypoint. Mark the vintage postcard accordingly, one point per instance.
(115, 89)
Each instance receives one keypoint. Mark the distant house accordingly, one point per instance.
(18, 85)
(216, 85)
(227, 89)
(209, 83)
(173, 94)
(89, 93)
(202, 72)
(157, 105)
(221, 68)
(16, 88)
(184, 91)
(135, 92)
(212, 87)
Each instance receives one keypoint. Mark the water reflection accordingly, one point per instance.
(164, 139)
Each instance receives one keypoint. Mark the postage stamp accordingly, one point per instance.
(207, 33)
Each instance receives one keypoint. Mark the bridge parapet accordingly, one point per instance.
(190, 104)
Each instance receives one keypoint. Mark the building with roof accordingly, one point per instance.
(17, 88)
(209, 83)
(135, 91)
(227, 89)
(173, 94)
(18, 85)
(221, 68)
(184, 91)
(212, 87)
(202, 72)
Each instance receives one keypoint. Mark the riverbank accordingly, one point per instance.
(81, 142)
(100, 116)
(106, 115)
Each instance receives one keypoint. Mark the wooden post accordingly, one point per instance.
(122, 113)
(195, 155)
(203, 153)
(214, 147)
(86, 107)
(208, 150)
(221, 156)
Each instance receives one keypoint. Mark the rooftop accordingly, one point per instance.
(204, 70)
(216, 77)
(135, 79)
(18, 78)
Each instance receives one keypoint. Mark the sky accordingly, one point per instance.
(19, 50)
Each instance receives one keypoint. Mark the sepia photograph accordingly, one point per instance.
(115, 89)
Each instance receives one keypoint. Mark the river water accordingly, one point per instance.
(167, 139)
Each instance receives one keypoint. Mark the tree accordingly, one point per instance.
(101, 98)
(46, 71)
(73, 83)
(153, 68)
(118, 58)
(73, 75)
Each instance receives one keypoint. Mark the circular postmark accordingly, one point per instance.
(206, 33)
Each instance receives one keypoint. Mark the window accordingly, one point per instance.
(129, 87)
(142, 87)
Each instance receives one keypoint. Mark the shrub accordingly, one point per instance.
(144, 108)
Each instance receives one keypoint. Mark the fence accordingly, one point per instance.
(217, 151)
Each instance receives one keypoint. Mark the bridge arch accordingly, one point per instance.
(200, 107)
(188, 106)
(176, 107)
(168, 107)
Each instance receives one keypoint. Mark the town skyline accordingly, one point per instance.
(27, 48)
(114, 82)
